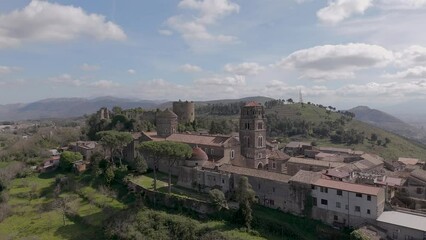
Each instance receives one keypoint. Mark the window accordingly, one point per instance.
(324, 202)
(259, 125)
(223, 181)
(359, 195)
(273, 189)
(259, 155)
(258, 186)
(337, 204)
(419, 190)
(212, 151)
(339, 192)
(336, 218)
(313, 187)
(357, 209)
(347, 207)
(232, 154)
(368, 211)
(274, 166)
(314, 201)
(368, 197)
(260, 141)
(324, 189)
(271, 202)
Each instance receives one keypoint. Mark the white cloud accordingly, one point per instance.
(415, 72)
(189, 68)
(104, 84)
(387, 90)
(87, 67)
(66, 79)
(412, 56)
(210, 10)
(46, 22)
(8, 69)
(245, 69)
(131, 71)
(401, 4)
(337, 61)
(236, 80)
(194, 29)
(338, 10)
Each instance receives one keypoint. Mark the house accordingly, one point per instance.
(86, 148)
(297, 148)
(295, 164)
(346, 204)
(80, 166)
(402, 225)
(415, 186)
(49, 165)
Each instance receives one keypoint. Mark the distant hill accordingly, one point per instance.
(258, 99)
(67, 107)
(388, 122)
(400, 146)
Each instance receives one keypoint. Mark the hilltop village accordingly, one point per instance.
(339, 186)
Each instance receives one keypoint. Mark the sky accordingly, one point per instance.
(337, 52)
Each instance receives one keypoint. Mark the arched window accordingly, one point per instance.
(232, 154)
(260, 141)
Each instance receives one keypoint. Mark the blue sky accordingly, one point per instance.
(338, 52)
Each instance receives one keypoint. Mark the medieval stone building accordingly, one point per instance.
(185, 111)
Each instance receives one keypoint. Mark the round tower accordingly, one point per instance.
(185, 111)
(167, 123)
(198, 158)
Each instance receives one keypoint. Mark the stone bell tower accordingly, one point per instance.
(253, 135)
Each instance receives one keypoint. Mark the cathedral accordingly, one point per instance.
(216, 157)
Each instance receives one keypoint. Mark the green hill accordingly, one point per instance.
(314, 115)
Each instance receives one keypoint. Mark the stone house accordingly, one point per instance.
(403, 225)
(86, 148)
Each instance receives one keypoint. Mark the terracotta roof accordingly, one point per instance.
(252, 104)
(136, 135)
(277, 155)
(255, 173)
(372, 158)
(390, 181)
(296, 144)
(306, 177)
(420, 174)
(408, 161)
(313, 162)
(350, 187)
(194, 139)
(85, 144)
(198, 139)
(199, 155)
(334, 149)
(336, 173)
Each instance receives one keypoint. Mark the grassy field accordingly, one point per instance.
(30, 199)
(146, 181)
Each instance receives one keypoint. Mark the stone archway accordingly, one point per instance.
(260, 166)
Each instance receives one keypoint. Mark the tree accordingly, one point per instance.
(95, 160)
(114, 141)
(67, 159)
(140, 164)
(109, 174)
(373, 137)
(387, 141)
(245, 197)
(175, 152)
(218, 199)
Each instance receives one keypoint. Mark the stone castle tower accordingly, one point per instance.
(185, 111)
(167, 123)
(253, 135)
(103, 113)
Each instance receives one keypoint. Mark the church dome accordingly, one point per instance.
(198, 155)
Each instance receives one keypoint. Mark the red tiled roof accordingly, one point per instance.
(207, 140)
(350, 187)
(199, 155)
(279, 177)
(252, 104)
